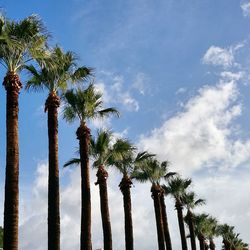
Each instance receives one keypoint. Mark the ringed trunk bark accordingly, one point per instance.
(191, 229)
(155, 190)
(125, 186)
(51, 106)
(181, 225)
(226, 244)
(102, 176)
(202, 242)
(211, 244)
(83, 135)
(12, 86)
(165, 221)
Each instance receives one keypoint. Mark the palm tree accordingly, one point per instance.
(126, 165)
(84, 105)
(54, 74)
(105, 154)
(190, 202)
(201, 229)
(212, 232)
(153, 171)
(227, 233)
(177, 188)
(164, 214)
(20, 42)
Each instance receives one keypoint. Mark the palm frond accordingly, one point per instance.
(73, 161)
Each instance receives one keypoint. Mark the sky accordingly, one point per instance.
(178, 71)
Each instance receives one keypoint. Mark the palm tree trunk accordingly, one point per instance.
(202, 242)
(191, 229)
(165, 222)
(226, 244)
(12, 85)
(51, 105)
(83, 135)
(125, 186)
(211, 244)
(206, 246)
(102, 176)
(181, 225)
(155, 190)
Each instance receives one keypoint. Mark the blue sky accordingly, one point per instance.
(177, 70)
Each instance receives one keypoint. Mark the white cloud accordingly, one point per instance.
(245, 6)
(141, 83)
(224, 57)
(202, 133)
(219, 56)
(115, 93)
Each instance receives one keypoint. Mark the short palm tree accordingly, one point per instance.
(177, 188)
(84, 105)
(126, 165)
(20, 42)
(56, 71)
(190, 202)
(153, 171)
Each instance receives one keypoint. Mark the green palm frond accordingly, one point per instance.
(73, 161)
(152, 169)
(57, 69)
(21, 42)
(85, 104)
(177, 187)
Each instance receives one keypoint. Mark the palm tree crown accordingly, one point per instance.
(85, 104)
(21, 42)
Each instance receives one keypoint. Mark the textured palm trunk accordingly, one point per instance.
(155, 190)
(206, 246)
(165, 221)
(51, 106)
(191, 229)
(226, 244)
(12, 85)
(125, 186)
(202, 242)
(83, 135)
(102, 176)
(211, 244)
(181, 225)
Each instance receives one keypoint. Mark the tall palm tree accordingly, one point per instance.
(227, 233)
(177, 188)
(20, 42)
(201, 229)
(54, 74)
(190, 202)
(153, 171)
(164, 214)
(105, 153)
(212, 232)
(84, 105)
(126, 165)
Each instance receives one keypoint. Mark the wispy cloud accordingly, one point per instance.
(224, 57)
(245, 6)
(115, 91)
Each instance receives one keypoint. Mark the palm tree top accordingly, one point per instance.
(56, 71)
(85, 104)
(21, 42)
(151, 170)
(177, 187)
(190, 201)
